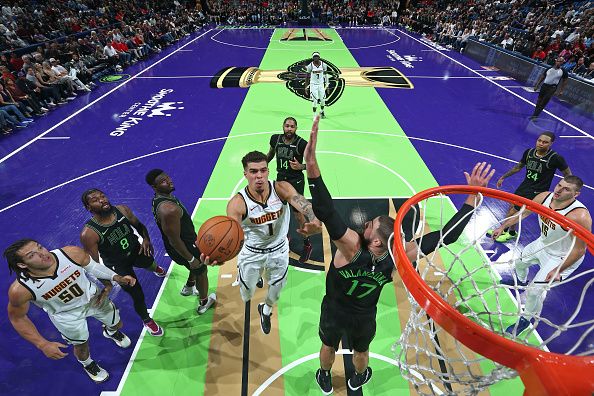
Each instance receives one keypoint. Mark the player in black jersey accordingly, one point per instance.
(541, 163)
(288, 149)
(179, 235)
(109, 233)
(360, 268)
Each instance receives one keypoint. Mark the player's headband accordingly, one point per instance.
(315, 54)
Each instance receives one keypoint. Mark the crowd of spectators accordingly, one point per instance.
(539, 29)
(270, 12)
(52, 51)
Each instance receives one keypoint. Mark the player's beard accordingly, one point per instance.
(364, 242)
(105, 212)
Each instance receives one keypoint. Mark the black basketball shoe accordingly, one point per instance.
(264, 319)
(324, 380)
(358, 380)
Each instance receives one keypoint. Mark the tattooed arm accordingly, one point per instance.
(287, 193)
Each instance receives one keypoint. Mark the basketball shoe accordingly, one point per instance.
(96, 373)
(358, 380)
(324, 380)
(212, 299)
(118, 337)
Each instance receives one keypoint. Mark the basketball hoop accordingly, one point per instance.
(446, 287)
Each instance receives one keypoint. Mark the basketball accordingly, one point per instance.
(220, 238)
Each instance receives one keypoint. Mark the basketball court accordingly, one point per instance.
(182, 112)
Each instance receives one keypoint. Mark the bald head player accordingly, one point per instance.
(362, 266)
(316, 83)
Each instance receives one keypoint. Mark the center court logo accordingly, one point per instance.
(139, 111)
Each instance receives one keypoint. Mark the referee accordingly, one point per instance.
(550, 81)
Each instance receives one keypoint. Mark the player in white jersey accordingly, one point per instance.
(555, 251)
(316, 82)
(262, 209)
(56, 281)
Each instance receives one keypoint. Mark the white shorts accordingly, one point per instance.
(72, 324)
(535, 253)
(272, 266)
(317, 93)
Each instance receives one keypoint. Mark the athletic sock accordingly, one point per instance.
(85, 363)
(203, 301)
(267, 310)
(190, 283)
(512, 232)
(110, 331)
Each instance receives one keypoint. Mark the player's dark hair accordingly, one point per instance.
(549, 134)
(385, 229)
(290, 118)
(576, 181)
(152, 175)
(85, 196)
(253, 156)
(13, 258)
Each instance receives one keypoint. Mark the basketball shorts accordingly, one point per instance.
(72, 324)
(126, 265)
(317, 94)
(272, 264)
(525, 192)
(297, 183)
(535, 253)
(336, 323)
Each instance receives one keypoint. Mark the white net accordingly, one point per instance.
(476, 279)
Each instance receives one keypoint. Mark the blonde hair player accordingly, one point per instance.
(316, 83)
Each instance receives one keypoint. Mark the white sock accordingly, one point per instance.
(267, 309)
(85, 363)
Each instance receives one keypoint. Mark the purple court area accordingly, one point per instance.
(454, 118)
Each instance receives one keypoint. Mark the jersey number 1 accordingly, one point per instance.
(368, 286)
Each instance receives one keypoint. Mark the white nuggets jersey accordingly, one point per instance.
(67, 289)
(317, 74)
(555, 235)
(265, 226)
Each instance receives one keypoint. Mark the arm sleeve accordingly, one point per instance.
(324, 210)
(99, 270)
(448, 234)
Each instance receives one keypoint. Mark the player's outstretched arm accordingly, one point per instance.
(18, 307)
(480, 176)
(309, 156)
(100, 271)
(516, 218)
(288, 193)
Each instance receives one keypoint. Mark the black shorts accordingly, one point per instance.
(527, 193)
(337, 322)
(296, 182)
(126, 265)
(175, 256)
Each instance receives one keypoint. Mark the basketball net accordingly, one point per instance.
(455, 340)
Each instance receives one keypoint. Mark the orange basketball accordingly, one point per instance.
(220, 238)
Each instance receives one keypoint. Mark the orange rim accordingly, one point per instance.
(543, 373)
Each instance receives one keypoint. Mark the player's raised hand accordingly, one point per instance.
(309, 154)
(481, 175)
(311, 228)
(52, 350)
